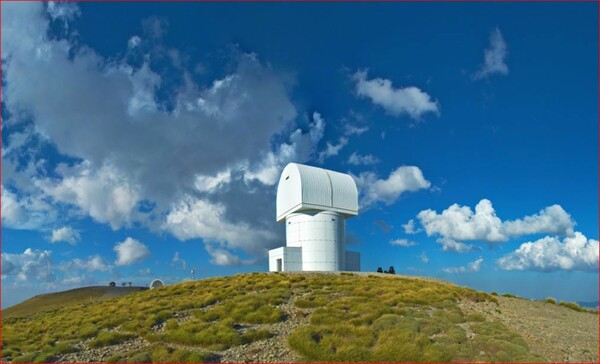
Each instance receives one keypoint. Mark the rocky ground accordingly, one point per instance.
(274, 349)
(554, 332)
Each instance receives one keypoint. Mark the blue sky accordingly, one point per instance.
(140, 141)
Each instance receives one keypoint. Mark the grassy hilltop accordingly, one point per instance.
(280, 317)
(54, 301)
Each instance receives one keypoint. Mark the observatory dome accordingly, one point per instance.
(304, 188)
(314, 203)
(157, 283)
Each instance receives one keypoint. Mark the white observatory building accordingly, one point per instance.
(314, 203)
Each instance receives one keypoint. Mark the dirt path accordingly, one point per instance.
(554, 332)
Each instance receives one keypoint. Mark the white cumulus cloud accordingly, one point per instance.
(494, 57)
(332, 149)
(402, 179)
(364, 160)
(396, 101)
(472, 267)
(178, 261)
(197, 218)
(460, 223)
(573, 253)
(32, 265)
(65, 234)
(403, 242)
(27, 212)
(449, 245)
(409, 227)
(104, 193)
(300, 147)
(93, 263)
(130, 251)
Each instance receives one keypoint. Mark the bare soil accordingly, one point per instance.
(554, 332)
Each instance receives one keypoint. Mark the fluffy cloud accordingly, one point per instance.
(93, 263)
(550, 254)
(424, 257)
(332, 149)
(197, 218)
(449, 245)
(365, 160)
(223, 257)
(300, 147)
(32, 265)
(350, 129)
(460, 223)
(396, 101)
(178, 261)
(104, 193)
(409, 227)
(28, 212)
(130, 251)
(65, 234)
(494, 57)
(552, 219)
(402, 179)
(470, 268)
(63, 11)
(403, 242)
(110, 117)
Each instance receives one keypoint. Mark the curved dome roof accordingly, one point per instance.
(304, 187)
(156, 283)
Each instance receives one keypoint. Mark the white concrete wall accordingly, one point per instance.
(322, 238)
(291, 259)
(275, 254)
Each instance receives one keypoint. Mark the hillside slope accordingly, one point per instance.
(53, 301)
(303, 316)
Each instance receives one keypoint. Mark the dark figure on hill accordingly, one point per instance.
(129, 284)
(123, 284)
(391, 270)
(112, 284)
(379, 270)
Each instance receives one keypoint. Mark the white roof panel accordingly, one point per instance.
(304, 187)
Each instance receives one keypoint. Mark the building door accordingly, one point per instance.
(279, 265)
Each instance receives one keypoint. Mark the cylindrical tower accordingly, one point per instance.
(321, 235)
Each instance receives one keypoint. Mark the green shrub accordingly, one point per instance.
(393, 321)
(256, 335)
(573, 306)
(114, 359)
(476, 317)
(107, 338)
(142, 357)
(25, 358)
(311, 302)
(551, 300)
